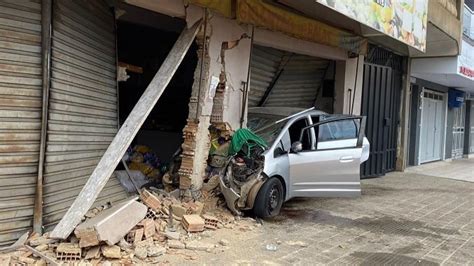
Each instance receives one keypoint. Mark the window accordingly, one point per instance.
(338, 130)
(468, 22)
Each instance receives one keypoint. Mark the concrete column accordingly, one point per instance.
(224, 61)
(402, 141)
(467, 127)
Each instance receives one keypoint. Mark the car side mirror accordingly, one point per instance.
(296, 147)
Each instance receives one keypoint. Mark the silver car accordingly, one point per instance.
(310, 154)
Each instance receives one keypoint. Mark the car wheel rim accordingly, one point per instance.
(274, 198)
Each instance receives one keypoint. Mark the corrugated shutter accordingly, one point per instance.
(83, 103)
(264, 66)
(20, 114)
(298, 84)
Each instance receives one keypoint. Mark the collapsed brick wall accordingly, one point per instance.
(195, 134)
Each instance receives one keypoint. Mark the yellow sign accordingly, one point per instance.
(404, 20)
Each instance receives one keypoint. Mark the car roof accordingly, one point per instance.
(283, 111)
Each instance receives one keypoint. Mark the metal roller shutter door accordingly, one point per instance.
(20, 114)
(83, 103)
(264, 66)
(297, 85)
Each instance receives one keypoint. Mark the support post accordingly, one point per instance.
(125, 135)
(402, 147)
(46, 16)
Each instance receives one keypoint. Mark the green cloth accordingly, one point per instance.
(245, 136)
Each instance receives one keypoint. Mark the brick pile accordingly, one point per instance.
(166, 225)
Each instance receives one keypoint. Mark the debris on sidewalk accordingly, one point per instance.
(124, 233)
(161, 220)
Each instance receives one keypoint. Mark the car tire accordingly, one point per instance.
(269, 199)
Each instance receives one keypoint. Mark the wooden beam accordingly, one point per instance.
(131, 68)
(125, 135)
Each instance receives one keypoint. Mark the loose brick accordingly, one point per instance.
(149, 228)
(193, 223)
(111, 252)
(68, 252)
(138, 236)
(150, 200)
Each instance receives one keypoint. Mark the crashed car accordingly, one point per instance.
(309, 153)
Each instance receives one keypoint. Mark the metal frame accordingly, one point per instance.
(360, 138)
(46, 22)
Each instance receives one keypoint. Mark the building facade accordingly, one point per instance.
(73, 70)
(441, 89)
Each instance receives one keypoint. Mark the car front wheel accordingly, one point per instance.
(269, 199)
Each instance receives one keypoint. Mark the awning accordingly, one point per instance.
(271, 17)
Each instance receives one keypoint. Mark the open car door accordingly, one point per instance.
(331, 167)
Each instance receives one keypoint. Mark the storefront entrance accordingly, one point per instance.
(432, 126)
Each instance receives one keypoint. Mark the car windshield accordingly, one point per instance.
(265, 126)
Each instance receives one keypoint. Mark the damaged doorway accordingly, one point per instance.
(144, 40)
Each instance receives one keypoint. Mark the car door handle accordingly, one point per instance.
(346, 159)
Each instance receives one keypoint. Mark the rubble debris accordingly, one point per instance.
(123, 244)
(198, 245)
(155, 251)
(150, 200)
(42, 247)
(194, 207)
(48, 259)
(111, 252)
(125, 135)
(141, 252)
(27, 260)
(193, 223)
(68, 252)
(176, 244)
(42, 240)
(93, 253)
(111, 225)
(210, 222)
(151, 214)
(172, 235)
(149, 228)
(138, 236)
(178, 211)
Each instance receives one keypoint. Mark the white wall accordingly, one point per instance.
(348, 92)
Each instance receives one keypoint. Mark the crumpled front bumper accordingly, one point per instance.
(231, 197)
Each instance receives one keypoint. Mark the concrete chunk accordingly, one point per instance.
(111, 252)
(114, 223)
(176, 244)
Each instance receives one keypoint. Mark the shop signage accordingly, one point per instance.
(404, 20)
(466, 71)
(466, 60)
(455, 98)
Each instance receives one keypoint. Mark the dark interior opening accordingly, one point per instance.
(147, 47)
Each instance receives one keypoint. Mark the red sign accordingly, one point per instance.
(466, 71)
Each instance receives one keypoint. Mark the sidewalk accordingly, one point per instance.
(400, 219)
(457, 169)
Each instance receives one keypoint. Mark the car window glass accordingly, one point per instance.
(338, 130)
